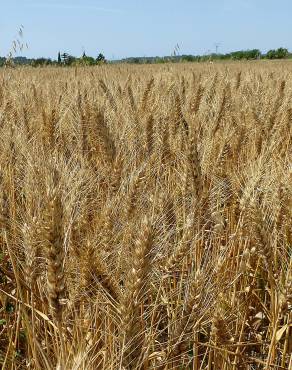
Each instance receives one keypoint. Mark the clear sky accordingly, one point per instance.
(145, 28)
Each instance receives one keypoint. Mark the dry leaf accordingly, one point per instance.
(280, 332)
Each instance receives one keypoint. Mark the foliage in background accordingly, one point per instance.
(69, 60)
(241, 55)
(64, 59)
(280, 53)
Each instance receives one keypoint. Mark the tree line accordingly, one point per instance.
(254, 54)
(65, 59)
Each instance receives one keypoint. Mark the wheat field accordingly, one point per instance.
(146, 217)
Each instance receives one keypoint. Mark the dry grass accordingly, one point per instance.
(145, 216)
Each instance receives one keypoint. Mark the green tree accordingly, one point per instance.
(253, 54)
(70, 60)
(271, 54)
(40, 62)
(188, 58)
(100, 58)
(88, 61)
(280, 53)
(59, 58)
(65, 58)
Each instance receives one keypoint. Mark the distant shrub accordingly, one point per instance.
(280, 53)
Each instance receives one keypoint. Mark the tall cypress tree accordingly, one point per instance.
(59, 58)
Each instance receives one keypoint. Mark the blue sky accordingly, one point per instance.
(145, 28)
